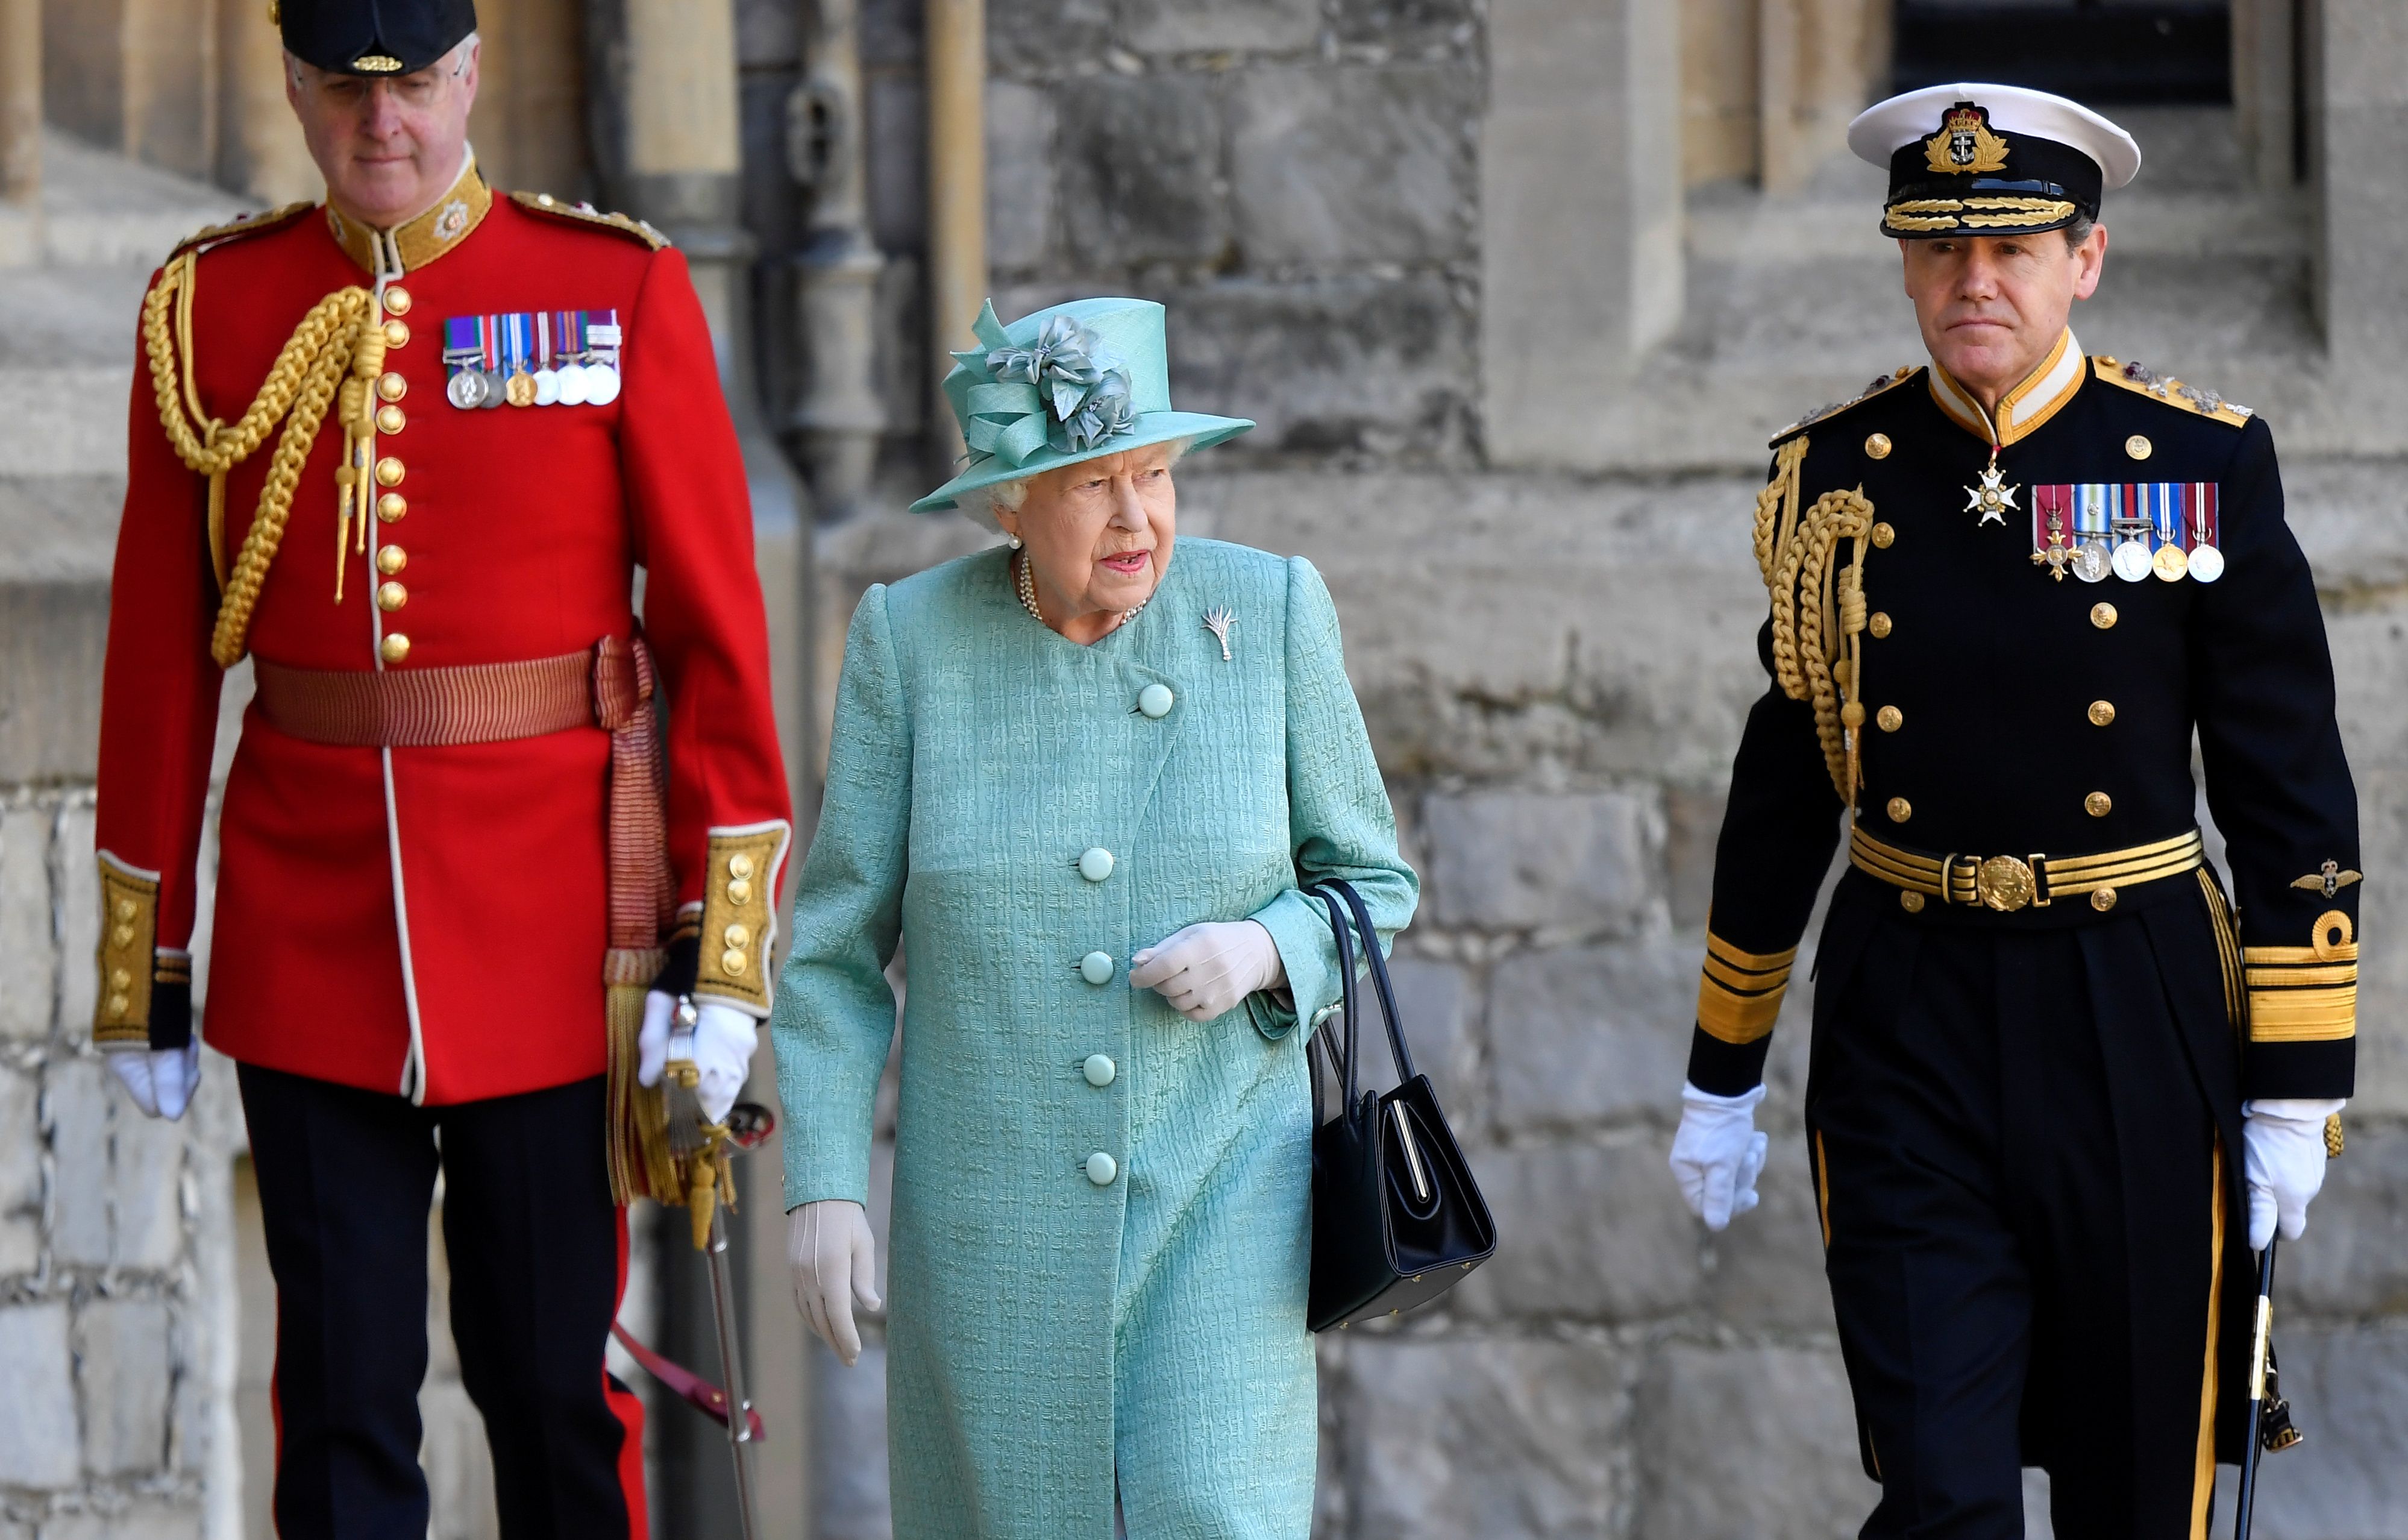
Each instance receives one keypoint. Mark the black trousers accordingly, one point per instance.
(538, 1257)
(2021, 1136)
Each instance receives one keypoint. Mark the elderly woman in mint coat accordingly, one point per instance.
(1082, 784)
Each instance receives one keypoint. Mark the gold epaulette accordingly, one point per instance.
(242, 225)
(1881, 385)
(2143, 381)
(585, 213)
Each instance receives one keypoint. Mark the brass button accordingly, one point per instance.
(391, 387)
(119, 1005)
(2138, 446)
(126, 909)
(1883, 535)
(120, 979)
(394, 648)
(740, 865)
(122, 937)
(2103, 616)
(2098, 804)
(740, 891)
(545, 199)
(1878, 446)
(391, 507)
(396, 333)
(2102, 713)
(735, 936)
(1911, 901)
(397, 299)
(1890, 718)
(390, 418)
(1900, 810)
(1879, 625)
(731, 962)
(390, 559)
(389, 471)
(391, 596)
(2103, 899)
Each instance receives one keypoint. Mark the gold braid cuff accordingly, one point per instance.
(1799, 555)
(339, 335)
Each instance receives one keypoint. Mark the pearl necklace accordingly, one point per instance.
(1026, 581)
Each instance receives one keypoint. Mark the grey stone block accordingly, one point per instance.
(1183, 26)
(52, 637)
(1435, 999)
(848, 1482)
(121, 1377)
(1766, 1271)
(143, 1519)
(2348, 1389)
(27, 947)
(1589, 1233)
(1399, 24)
(76, 1105)
(1047, 37)
(1339, 365)
(1692, 822)
(146, 1185)
(1591, 1034)
(2353, 1258)
(1745, 1442)
(1447, 1438)
(1336, 165)
(79, 922)
(37, 1415)
(1141, 174)
(21, 1143)
(1019, 174)
(1505, 859)
(21, 1242)
(459, 1466)
(896, 113)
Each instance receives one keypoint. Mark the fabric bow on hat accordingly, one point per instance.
(1065, 388)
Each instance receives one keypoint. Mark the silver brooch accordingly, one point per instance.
(1218, 622)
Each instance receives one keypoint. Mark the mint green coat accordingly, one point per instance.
(1048, 1331)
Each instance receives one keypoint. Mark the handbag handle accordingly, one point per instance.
(1344, 1059)
(1333, 892)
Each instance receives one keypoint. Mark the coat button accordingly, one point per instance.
(1890, 718)
(2098, 804)
(397, 299)
(1154, 701)
(392, 506)
(2102, 713)
(1096, 863)
(1878, 446)
(389, 471)
(2138, 446)
(1101, 1169)
(2103, 616)
(396, 333)
(1879, 625)
(391, 596)
(391, 387)
(394, 648)
(390, 559)
(740, 865)
(1900, 810)
(1882, 535)
(390, 418)
(1096, 968)
(1100, 1070)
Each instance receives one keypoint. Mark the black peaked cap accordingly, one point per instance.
(374, 36)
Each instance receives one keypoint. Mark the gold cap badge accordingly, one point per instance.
(1965, 145)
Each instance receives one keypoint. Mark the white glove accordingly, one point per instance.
(2285, 1164)
(835, 1259)
(1717, 1154)
(160, 1080)
(1206, 970)
(723, 1039)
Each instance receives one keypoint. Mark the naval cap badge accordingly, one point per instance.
(1965, 145)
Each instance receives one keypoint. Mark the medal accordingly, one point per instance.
(571, 391)
(494, 388)
(2091, 562)
(2170, 564)
(466, 390)
(2056, 555)
(601, 384)
(547, 387)
(2132, 560)
(2163, 501)
(2206, 556)
(2131, 528)
(1993, 498)
(2206, 564)
(519, 390)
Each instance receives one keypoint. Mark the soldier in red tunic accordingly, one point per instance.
(404, 451)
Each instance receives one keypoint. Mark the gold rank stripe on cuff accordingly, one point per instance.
(129, 931)
(1739, 992)
(2306, 994)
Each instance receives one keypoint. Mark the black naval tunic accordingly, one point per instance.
(2023, 1105)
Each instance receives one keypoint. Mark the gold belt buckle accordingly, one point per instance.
(2005, 884)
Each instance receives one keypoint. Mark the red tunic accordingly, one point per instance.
(432, 921)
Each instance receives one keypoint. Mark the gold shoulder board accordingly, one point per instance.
(585, 213)
(2143, 381)
(242, 225)
(1881, 385)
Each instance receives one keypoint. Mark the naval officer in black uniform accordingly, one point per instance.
(2063, 1078)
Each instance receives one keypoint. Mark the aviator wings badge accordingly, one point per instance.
(2328, 880)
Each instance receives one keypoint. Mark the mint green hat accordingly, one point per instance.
(1066, 384)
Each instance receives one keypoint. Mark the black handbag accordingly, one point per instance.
(1397, 1219)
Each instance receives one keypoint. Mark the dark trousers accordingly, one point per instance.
(537, 1259)
(2032, 1243)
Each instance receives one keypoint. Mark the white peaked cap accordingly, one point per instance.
(1883, 129)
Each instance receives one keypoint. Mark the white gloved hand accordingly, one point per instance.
(1717, 1154)
(835, 1259)
(160, 1081)
(723, 1039)
(2284, 1165)
(1205, 970)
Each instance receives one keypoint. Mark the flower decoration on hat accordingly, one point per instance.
(1065, 388)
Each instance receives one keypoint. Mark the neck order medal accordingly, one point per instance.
(1993, 498)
